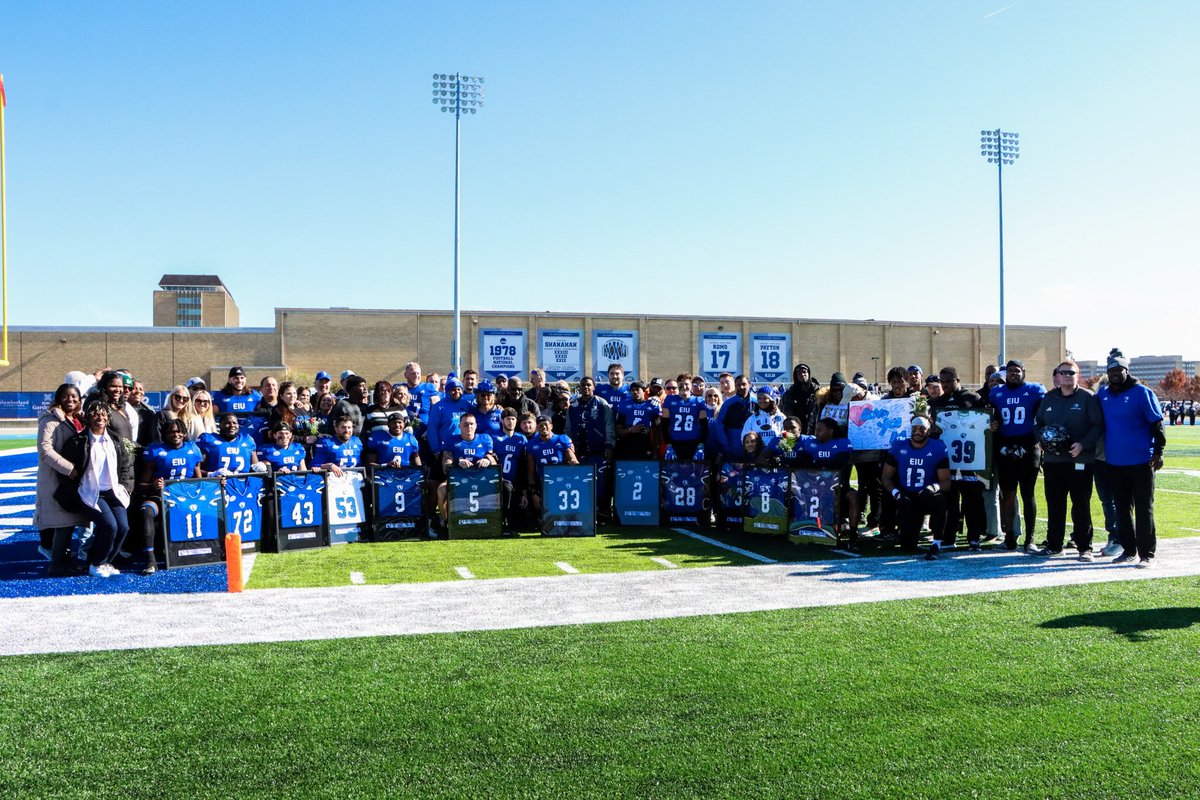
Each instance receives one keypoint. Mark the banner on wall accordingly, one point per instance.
(614, 347)
(560, 354)
(501, 352)
(720, 352)
(770, 357)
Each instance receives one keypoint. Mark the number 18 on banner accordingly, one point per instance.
(720, 352)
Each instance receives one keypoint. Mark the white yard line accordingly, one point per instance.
(847, 553)
(14, 495)
(565, 567)
(14, 509)
(357, 578)
(664, 562)
(723, 546)
(1176, 491)
(464, 573)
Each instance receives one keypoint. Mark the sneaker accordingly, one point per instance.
(1145, 563)
(149, 569)
(1124, 558)
(1044, 544)
(44, 553)
(932, 555)
(1086, 555)
(1112, 549)
(99, 571)
(974, 547)
(990, 537)
(886, 538)
(1036, 550)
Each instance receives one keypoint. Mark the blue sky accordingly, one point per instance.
(761, 159)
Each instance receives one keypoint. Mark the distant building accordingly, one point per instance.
(194, 301)
(1150, 370)
(1090, 369)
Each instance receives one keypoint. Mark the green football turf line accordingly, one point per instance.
(13, 444)
(615, 549)
(1085, 691)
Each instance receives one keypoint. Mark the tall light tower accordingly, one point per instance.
(1001, 148)
(460, 95)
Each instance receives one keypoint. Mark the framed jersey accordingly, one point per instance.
(299, 511)
(474, 501)
(813, 506)
(766, 493)
(731, 495)
(635, 494)
(192, 512)
(344, 506)
(569, 500)
(399, 501)
(244, 509)
(967, 435)
(685, 493)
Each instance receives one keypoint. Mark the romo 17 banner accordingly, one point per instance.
(770, 357)
(501, 352)
(614, 347)
(560, 354)
(720, 352)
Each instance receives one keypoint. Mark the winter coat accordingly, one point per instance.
(78, 451)
(53, 434)
(1080, 414)
(800, 400)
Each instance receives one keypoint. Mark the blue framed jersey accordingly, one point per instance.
(474, 502)
(731, 494)
(569, 500)
(398, 503)
(300, 510)
(766, 493)
(344, 506)
(685, 492)
(636, 492)
(192, 522)
(244, 509)
(813, 506)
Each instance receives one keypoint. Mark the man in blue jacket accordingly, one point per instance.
(1133, 447)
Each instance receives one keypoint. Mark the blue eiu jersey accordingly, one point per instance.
(233, 456)
(420, 398)
(632, 413)
(916, 469)
(173, 465)
(488, 422)
(241, 404)
(548, 451)
(301, 500)
(833, 454)
(243, 507)
(386, 447)
(611, 395)
(474, 450)
(509, 450)
(1016, 407)
(278, 458)
(194, 510)
(329, 450)
(684, 422)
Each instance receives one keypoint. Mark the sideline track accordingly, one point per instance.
(126, 621)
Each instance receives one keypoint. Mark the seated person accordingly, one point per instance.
(393, 446)
(228, 451)
(285, 455)
(468, 450)
(916, 471)
(339, 452)
(172, 459)
(547, 447)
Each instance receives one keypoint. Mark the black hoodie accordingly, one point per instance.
(800, 400)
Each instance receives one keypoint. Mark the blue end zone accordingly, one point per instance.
(23, 570)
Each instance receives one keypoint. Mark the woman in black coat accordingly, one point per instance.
(99, 486)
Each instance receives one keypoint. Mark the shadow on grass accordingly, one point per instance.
(1134, 625)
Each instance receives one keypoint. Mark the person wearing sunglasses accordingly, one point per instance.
(199, 417)
(1069, 424)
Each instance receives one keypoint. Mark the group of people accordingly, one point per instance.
(1181, 412)
(103, 451)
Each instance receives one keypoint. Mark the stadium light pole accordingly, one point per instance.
(1000, 148)
(460, 95)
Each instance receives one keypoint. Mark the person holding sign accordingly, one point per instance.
(1069, 425)
(637, 425)
(469, 450)
(966, 489)
(173, 459)
(341, 451)
(394, 447)
(915, 472)
(828, 450)
(547, 447)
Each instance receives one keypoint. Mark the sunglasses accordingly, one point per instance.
(203, 402)
(1064, 372)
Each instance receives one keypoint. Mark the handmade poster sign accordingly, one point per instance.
(875, 424)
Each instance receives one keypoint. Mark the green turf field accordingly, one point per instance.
(13, 444)
(1183, 447)
(1075, 692)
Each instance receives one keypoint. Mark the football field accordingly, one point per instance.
(1084, 689)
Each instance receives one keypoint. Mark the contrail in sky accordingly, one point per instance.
(1000, 10)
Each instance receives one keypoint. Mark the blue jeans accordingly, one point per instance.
(111, 526)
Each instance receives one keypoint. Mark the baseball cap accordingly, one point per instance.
(932, 379)
(197, 381)
(915, 368)
(638, 384)
(656, 382)
(324, 376)
(397, 415)
(1015, 362)
(544, 418)
(237, 371)
(346, 374)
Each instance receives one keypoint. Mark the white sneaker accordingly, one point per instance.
(100, 571)
(1086, 555)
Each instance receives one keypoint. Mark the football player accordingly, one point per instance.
(228, 451)
(341, 451)
(172, 459)
(914, 473)
(1016, 403)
